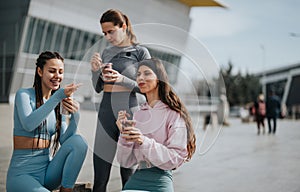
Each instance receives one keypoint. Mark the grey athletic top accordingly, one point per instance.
(124, 60)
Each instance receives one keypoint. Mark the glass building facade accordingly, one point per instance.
(70, 42)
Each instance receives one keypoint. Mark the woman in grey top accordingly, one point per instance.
(114, 74)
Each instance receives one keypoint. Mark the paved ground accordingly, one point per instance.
(231, 159)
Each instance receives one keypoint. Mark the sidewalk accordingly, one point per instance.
(234, 159)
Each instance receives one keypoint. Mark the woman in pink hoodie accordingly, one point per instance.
(160, 137)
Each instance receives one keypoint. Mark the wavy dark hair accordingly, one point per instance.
(118, 19)
(40, 63)
(169, 97)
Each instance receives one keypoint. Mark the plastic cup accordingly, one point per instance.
(62, 110)
(104, 71)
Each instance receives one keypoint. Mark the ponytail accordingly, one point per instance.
(129, 31)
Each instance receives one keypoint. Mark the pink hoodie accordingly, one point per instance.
(165, 139)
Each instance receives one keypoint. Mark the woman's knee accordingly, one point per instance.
(78, 143)
(24, 183)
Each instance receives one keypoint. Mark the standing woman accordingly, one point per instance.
(114, 74)
(36, 119)
(161, 136)
(260, 113)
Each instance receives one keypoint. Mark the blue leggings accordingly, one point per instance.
(32, 170)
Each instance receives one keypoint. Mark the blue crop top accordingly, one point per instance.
(27, 118)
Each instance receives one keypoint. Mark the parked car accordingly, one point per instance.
(241, 112)
(235, 111)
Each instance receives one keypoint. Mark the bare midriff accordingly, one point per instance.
(21, 142)
(115, 88)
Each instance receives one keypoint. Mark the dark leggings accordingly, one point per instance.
(260, 120)
(274, 124)
(106, 139)
(102, 173)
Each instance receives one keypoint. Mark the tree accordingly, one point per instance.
(240, 89)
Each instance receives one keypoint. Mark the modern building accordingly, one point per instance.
(285, 82)
(72, 28)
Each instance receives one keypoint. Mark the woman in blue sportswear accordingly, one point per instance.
(33, 166)
(119, 90)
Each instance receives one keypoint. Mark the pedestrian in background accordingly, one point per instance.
(273, 105)
(37, 118)
(160, 138)
(260, 113)
(207, 116)
(114, 74)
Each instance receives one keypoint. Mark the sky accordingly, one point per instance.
(253, 35)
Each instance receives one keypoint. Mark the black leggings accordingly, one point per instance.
(274, 124)
(260, 120)
(106, 139)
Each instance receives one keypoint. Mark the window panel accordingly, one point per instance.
(74, 44)
(49, 36)
(38, 37)
(78, 54)
(66, 41)
(29, 34)
(83, 45)
(58, 38)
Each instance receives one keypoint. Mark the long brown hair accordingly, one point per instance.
(40, 63)
(169, 97)
(118, 19)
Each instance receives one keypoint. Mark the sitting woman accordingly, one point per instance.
(160, 137)
(36, 119)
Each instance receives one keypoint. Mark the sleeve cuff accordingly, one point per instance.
(146, 143)
(123, 142)
(60, 93)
